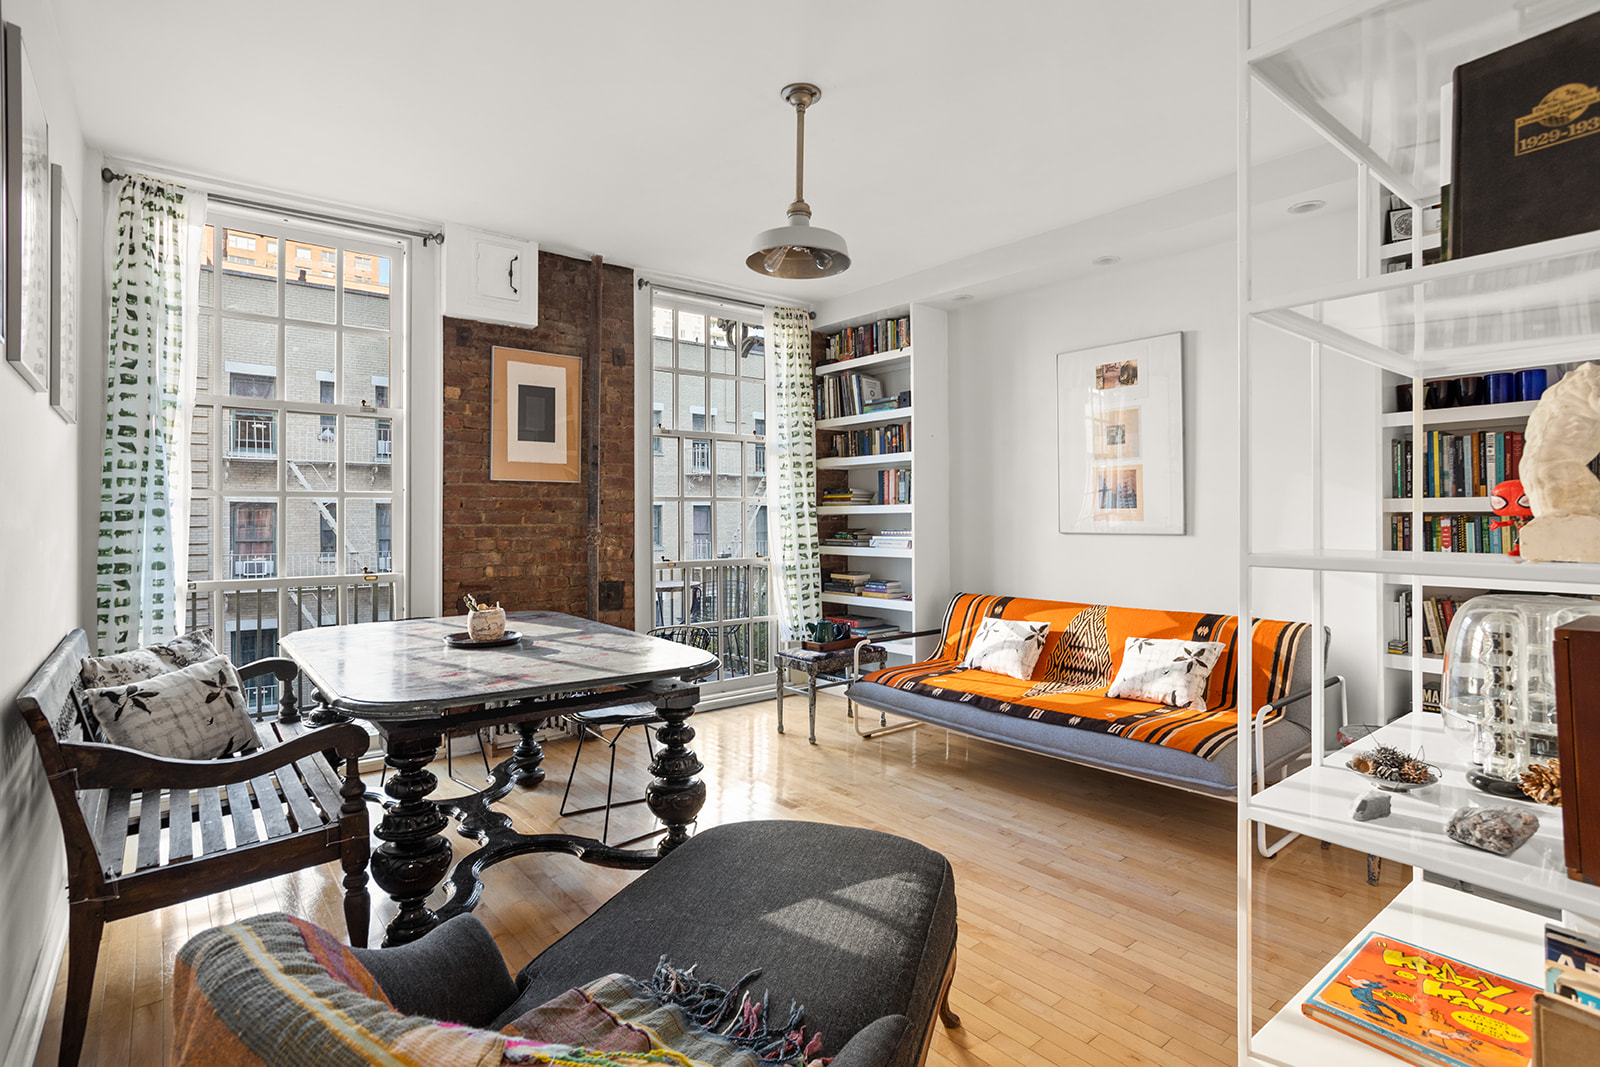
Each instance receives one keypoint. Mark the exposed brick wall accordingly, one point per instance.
(524, 543)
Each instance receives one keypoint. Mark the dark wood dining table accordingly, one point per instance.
(414, 687)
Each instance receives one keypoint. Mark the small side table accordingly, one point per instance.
(824, 670)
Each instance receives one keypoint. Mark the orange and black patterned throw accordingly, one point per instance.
(1080, 659)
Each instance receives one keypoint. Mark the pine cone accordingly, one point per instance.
(1542, 782)
(1388, 762)
(1416, 772)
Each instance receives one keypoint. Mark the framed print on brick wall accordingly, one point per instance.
(1120, 437)
(534, 435)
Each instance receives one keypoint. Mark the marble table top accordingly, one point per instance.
(404, 669)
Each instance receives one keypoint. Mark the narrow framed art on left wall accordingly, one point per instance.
(27, 218)
(63, 297)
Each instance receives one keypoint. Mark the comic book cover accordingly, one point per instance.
(1427, 1008)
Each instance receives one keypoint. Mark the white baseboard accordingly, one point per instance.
(24, 1046)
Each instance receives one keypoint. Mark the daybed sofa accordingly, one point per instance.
(1062, 710)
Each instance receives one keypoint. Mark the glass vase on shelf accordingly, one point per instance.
(1499, 677)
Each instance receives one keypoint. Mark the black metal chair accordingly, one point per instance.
(591, 726)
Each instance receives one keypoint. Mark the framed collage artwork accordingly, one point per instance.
(1120, 437)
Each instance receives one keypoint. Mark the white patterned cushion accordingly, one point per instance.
(1006, 646)
(193, 712)
(1166, 671)
(124, 668)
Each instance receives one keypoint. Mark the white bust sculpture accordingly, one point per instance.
(1563, 436)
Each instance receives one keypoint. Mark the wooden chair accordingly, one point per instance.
(196, 829)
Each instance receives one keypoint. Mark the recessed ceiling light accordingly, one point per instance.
(961, 298)
(1306, 207)
(1105, 261)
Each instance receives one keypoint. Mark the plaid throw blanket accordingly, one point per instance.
(276, 990)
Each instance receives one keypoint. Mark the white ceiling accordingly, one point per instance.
(654, 133)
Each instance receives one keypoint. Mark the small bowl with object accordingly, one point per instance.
(1394, 770)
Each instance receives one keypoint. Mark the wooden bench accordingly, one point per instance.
(143, 832)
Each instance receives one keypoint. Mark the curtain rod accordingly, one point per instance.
(712, 297)
(108, 176)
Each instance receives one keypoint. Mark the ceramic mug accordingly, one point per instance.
(1402, 396)
(1531, 383)
(1470, 392)
(1440, 393)
(486, 624)
(1502, 388)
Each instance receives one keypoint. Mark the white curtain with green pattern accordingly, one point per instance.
(796, 554)
(144, 471)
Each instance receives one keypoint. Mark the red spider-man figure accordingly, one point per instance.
(1509, 501)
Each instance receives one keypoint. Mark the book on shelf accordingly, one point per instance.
(1523, 155)
(847, 394)
(1457, 465)
(852, 538)
(888, 403)
(853, 342)
(894, 486)
(1430, 697)
(1477, 534)
(863, 625)
(1426, 1008)
(872, 441)
(886, 541)
(845, 495)
(859, 577)
(1572, 965)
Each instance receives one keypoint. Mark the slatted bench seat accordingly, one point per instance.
(144, 832)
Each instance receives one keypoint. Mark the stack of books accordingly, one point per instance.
(849, 394)
(884, 589)
(847, 582)
(845, 495)
(894, 486)
(863, 625)
(1457, 533)
(897, 538)
(853, 342)
(877, 441)
(888, 403)
(852, 538)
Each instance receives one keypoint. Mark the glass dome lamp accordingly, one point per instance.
(798, 249)
(1499, 679)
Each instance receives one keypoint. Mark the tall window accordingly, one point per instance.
(299, 335)
(709, 403)
(709, 503)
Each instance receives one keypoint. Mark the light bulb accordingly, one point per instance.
(774, 259)
(822, 259)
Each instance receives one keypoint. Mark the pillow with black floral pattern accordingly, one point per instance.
(194, 712)
(1166, 671)
(135, 665)
(1006, 646)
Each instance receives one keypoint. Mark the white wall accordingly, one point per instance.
(1003, 420)
(42, 578)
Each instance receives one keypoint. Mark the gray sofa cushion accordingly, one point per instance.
(852, 923)
(1283, 740)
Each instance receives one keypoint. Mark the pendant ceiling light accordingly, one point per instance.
(799, 250)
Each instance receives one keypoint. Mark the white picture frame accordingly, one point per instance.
(63, 297)
(27, 206)
(1119, 437)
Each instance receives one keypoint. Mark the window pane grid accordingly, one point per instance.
(297, 483)
(708, 517)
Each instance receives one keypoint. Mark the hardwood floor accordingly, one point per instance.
(1097, 913)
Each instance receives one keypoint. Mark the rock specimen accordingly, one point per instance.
(1498, 830)
(1373, 804)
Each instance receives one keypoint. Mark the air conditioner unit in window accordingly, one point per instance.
(252, 568)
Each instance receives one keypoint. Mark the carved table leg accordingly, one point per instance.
(527, 757)
(414, 857)
(323, 713)
(675, 796)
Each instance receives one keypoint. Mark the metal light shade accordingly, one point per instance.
(798, 250)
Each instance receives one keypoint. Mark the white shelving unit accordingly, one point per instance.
(923, 569)
(1367, 79)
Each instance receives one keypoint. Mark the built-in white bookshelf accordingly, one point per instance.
(1367, 78)
(923, 570)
